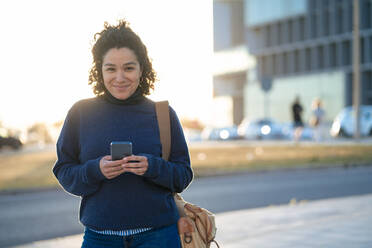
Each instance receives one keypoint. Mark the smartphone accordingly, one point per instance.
(120, 149)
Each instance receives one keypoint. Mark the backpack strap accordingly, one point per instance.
(186, 226)
(162, 113)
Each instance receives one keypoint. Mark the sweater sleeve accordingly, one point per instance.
(175, 174)
(77, 178)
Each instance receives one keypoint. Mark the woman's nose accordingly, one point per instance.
(120, 76)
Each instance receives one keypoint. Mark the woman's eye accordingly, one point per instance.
(110, 69)
(129, 68)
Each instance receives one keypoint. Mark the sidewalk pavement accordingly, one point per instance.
(338, 222)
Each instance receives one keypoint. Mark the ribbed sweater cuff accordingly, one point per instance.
(93, 171)
(152, 171)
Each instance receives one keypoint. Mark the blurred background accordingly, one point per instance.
(46, 57)
(241, 64)
(267, 53)
(259, 85)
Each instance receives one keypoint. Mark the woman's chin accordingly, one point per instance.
(121, 95)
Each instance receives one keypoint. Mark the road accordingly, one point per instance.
(27, 217)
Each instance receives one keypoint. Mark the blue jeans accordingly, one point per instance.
(156, 238)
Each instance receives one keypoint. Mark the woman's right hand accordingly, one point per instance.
(110, 169)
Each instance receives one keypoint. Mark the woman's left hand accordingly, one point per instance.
(135, 164)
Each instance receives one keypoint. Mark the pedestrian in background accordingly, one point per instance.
(127, 202)
(298, 124)
(317, 119)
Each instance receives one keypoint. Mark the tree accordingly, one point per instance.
(39, 132)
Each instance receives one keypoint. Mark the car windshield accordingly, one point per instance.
(348, 112)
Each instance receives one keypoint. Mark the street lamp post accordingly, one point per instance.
(356, 69)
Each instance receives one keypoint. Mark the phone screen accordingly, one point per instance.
(120, 149)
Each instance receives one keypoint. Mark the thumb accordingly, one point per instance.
(107, 157)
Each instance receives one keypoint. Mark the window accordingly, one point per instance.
(274, 35)
(279, 64)
(367, 86)
(271, 65)
(290, 31)
(346, 53)
(308, 59)
(302, 28)
(296, 61)
(325, 4)
(286, 32)
(313, 26)
(266, 65)
(280, 33)
(370, 10)
(349, 16)
(320, 57)
(319, 25)
(263, 65)
(339, 18)
(366, 10)
(368, 80)
(362, 50)
(332, 55)
(285, 63)
(326, 17)
(257, 38)
(370, 50)
(268, 36)
(312, 5)
(291, 66)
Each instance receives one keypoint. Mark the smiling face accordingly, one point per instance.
(121, 72)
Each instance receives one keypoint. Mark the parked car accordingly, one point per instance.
(265, 128)
(343, 124)
(11, 142)
(192, 135)
(220, 133)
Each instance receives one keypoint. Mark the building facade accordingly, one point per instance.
(304, 48)
(231, 61)
(300, 47)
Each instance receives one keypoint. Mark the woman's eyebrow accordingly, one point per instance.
(109, 64)
(129, 63)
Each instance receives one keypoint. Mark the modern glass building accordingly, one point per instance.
(304, 47)
(299, 47)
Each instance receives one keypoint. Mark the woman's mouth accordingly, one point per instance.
(122, 87)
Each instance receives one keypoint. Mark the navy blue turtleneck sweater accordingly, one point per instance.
(127, 201)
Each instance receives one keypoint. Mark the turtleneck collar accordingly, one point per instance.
(135, 98)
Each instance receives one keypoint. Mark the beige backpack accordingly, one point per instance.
(196, 227)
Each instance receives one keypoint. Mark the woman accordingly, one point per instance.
(317, 118)
(124, 204)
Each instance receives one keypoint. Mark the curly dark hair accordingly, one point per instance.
(120, 36)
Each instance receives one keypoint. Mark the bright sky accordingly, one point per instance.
(45, 53)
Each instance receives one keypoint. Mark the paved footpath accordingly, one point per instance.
(339, 222)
